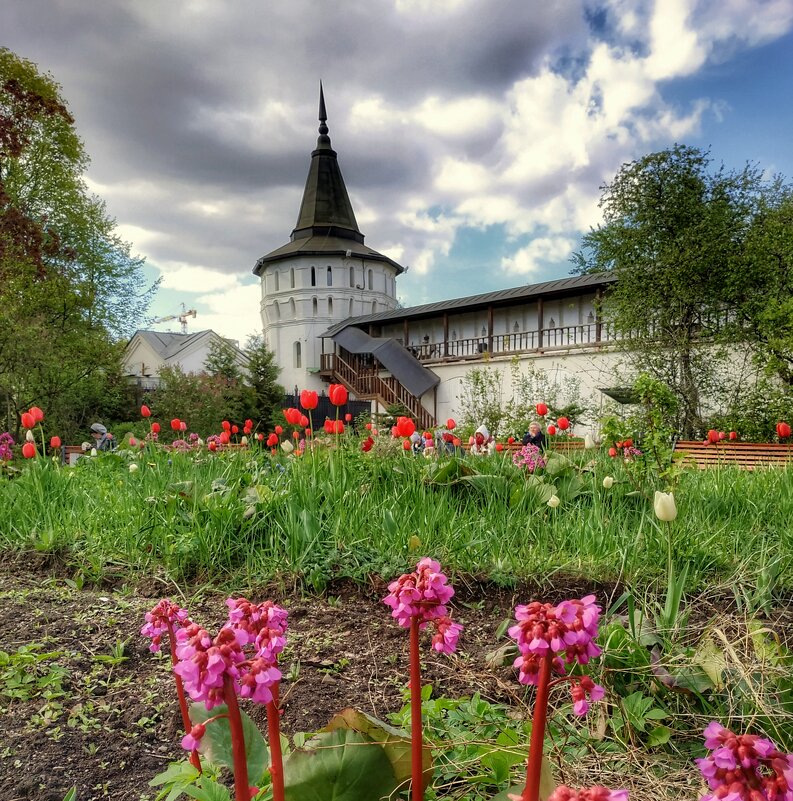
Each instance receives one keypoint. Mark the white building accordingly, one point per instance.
(147, 352)
(329, 313)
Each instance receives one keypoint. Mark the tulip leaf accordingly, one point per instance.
(216, 742)
(339, 765)
(395, 742)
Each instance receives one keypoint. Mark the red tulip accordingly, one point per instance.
(235, 429)
(225, 425)
(246, 431)
(176, 423)
(457, 442)
(309, 399)
(272, 440)
(542, 410)
(224, 437)
(295, 436)
(38, 415)
(249, 424)
(55, 442)
(612, 452)
(260, 436)
(182, 425)
(155, 428)
(450, 424)
(782, 430)
(722, 435)
(368, 426)
(713, 436)
(338, 426)
(563, 423)
(28, 450)
(367, 444)
(307, 432)
(427, 435)
(132, 441)
(337, 394)
(405, 426)
(551, 430)
(145, 411)
(394, 432)
(348, 418)
(628, 443)
(213, 446)
(733, 435)
(499, 447)
(27, 420)
(279, 430)
(328, 425)
(405, 444)
(511, 440)
(303, 422)
(292, 416)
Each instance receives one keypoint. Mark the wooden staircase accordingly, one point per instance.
(362, 378)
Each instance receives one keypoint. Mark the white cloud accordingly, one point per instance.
(536, 254)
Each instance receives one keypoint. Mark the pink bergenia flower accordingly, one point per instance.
(423, 595)
(597, 793)
(157, 621)
(530, 457)
(192, 741)
(263, 624)
(745, 767)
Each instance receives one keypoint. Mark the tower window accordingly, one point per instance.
(292, 308)
(330, 277)
(313, 277)
(313, 307)
(292, 277)
(352, 277)
(330, 307)
(374, 307)
(275, 281)
(350, 312)
(371, 279)
(298, 355)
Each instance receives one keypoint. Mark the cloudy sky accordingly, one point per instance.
(473, 135)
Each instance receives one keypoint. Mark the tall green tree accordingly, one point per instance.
(680, 237)
(263, 378)
(69, 287)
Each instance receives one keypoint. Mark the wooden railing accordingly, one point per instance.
(361, 376)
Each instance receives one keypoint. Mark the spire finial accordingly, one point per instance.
(323, 115)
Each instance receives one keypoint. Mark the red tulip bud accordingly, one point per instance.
(405, 444)
(55, 442)
(782, 430)
(225, 425)
(511, 440)
(542, 410)
(224, 438)
(175, 423)
(348, 417)
(213, 446)
(563, 423)
(155, 428)
(551, 430)
(28, 450)
(27, 420)
(368, 426)
(713, 435)
(733, 435)
(612, 452)
(499, 447)
(235, 429)
(145, 411)
(450, 424)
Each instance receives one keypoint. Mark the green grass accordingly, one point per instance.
(244, 518)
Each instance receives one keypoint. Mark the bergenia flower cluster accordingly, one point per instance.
(158, 620)
(423, 595)
(529, 457)
(6, 447)
(597, 793)
(567, 633)
(205, 662)
(745, 767)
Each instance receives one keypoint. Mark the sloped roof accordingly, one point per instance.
(501, 297)
(167, 344)
(326, 222)
(408, 370)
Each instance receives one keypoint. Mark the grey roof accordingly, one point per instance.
(405, 367)
(501, 297)
(168, 344)
(326, 223)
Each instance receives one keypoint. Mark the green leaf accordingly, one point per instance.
(207, 789)
(340, 765)
(216, 743)
(71, 795)
(659, 736)
(396, 742)
(547, 785)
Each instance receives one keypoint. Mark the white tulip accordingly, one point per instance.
(244, 441)
(608, 482)
(589, 443)
(664, 505)
(287, 446)
(93, 451)
(29, 436)
(553, 501)
(133, 468)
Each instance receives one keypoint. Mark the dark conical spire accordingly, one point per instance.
(326, 209)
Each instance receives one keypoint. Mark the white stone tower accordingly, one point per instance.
(323, 275)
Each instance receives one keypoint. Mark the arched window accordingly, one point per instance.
(292, 309)
(350, 312)
(275, 281)
(276, 310)
(292, 277)
(371, 279)
(298, 355)
(330, 276)
(313, 277)
(352, 277)
(313, 307)
(330, 307)
(374, 307)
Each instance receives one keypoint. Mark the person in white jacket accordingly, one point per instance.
(483, 444)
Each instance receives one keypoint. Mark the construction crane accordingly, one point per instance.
(182, 318)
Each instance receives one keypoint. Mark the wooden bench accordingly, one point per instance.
(558, 444)
(746, 455)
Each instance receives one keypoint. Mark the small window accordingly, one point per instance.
(352, 277)
(371, 279)
(330, 276)
(313, 277)
(277, 310)
(275, 281)
(330, 307)
(292, 309)
(298, 355)
(350, 311)
(292, 277)
(374, 307)
(313, 307)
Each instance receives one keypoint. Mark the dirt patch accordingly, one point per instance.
(101, 712)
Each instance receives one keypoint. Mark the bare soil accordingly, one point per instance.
(112, 722)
